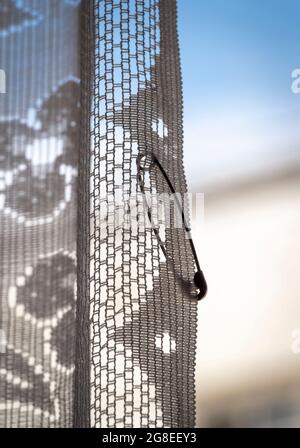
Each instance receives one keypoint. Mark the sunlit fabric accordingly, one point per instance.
(97, 329)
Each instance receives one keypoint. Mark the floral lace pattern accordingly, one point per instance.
(34, 159)
(39, 128)
(14, 17)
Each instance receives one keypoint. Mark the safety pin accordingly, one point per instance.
(199, 279)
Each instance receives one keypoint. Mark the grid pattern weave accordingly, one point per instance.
(143, 321)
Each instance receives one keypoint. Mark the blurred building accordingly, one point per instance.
(248, 371)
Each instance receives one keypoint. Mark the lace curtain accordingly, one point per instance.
(96, 328)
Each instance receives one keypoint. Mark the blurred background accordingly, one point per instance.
(242, 150)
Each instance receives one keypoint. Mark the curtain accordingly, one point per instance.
(98, 325)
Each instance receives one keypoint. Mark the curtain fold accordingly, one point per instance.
(39, 120)
(98, 327)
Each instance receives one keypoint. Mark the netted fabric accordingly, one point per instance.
(143, 319)
(120, 352)
(38, 176)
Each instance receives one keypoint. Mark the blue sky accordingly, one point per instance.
(237, 58)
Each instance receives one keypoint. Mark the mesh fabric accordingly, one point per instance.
(99, 330)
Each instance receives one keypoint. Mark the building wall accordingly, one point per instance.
(247, 371)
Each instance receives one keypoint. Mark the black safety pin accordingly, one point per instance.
(199, 279)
